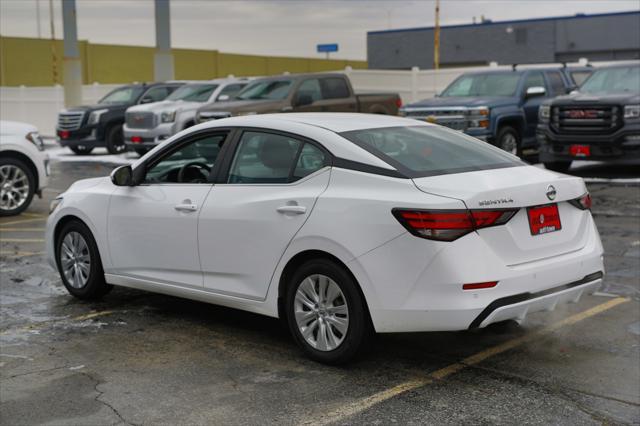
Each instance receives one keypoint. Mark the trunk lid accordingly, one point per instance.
(518, 187)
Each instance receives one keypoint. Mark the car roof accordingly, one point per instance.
(299, 76)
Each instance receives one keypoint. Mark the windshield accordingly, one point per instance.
(422, 151)
(613, 80)
(123, 95)
(272, 89)
(193, 93)
(501, 84)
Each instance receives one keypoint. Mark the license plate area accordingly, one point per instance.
(544, 219)
(580, 151)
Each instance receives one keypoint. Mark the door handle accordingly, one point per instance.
(186, 207)
(292, 209)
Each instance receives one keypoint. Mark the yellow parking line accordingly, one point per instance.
(18, 254)
(348, 410)
(43, 324)
(15, 222)
(21, 240)
(32, 215)
(2, 229)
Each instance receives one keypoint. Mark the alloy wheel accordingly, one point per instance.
(14, 187)
(321, 312)
(509, 143)
(75, 259)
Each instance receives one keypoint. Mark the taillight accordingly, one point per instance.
(136, 139)
(583, 203)
(448, 225)
(399, 102)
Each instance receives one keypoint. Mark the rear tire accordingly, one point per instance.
(115, 140)
(331, 326)
(558, 166)
(81, 150)
(78, 261)
(17, 186)
(508, 139)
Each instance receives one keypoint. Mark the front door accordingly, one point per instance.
(248, 220)
(152, 227)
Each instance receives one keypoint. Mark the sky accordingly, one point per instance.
(276, 27)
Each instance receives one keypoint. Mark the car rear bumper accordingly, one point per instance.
(410, 289)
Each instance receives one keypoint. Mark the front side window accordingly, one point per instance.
(266, 158)
(122, 95)
(193, 93)
(269, 89)
(534, 79)
(156, 94)
(494, 84)
(429, 151)
(190, 163)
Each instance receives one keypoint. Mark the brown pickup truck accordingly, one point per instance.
(301, 93)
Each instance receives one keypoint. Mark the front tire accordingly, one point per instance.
(17, 186)
(558, 166)
(326, 313)
(115, 140)
(78, 261)
(508, 139)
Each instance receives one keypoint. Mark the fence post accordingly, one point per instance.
(22, 101)
(414, 84)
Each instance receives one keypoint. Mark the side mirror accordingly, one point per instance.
(303, 99)
(146, 100)
(122, 176)
(571, 89)
(535, 91)
(223, 98)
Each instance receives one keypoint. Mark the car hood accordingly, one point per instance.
(16, 128)
(605, 98)
(95, 107)
(166, 106)
(243, 106)
(84, 184)
(464, 101)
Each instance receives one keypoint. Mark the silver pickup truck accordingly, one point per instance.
(147, 125)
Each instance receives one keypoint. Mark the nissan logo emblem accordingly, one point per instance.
(551, 192)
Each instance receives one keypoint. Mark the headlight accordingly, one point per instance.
(54, 204)
(94, 117)
(479, 111)
(478, 118)
(544, 112)
(34, 138)
(632, 112)
(168, 117)
(247, 113)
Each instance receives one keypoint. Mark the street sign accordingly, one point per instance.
(326, 48)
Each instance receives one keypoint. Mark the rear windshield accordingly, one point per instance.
(419, 151)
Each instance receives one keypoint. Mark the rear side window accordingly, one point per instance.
(556, 82)
(267, 158)
(231, 90)
(335, 88)
(157, 94)
(310, 88)
(419, 151)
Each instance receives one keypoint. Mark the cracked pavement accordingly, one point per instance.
(140, 358)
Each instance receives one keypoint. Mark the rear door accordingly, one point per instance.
(256, 208)
(329, 94)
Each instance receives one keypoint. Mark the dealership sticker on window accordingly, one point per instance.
(544, 219)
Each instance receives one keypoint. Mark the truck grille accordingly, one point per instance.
(585, 118)
(140, 120)
(452, 118)
(70, 120)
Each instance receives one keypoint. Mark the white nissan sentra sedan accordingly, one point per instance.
(342, 224)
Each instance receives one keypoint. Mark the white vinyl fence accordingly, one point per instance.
(40, 105)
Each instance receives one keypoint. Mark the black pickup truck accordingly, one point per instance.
(600, 121)
(83, 128)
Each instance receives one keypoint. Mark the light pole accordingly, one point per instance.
(72, 64)
(163, 58)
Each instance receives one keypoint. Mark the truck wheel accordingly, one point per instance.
(17, 186)
(558, 166)
(326, 313)
(115, 140)
(81, 150)
(508, 139)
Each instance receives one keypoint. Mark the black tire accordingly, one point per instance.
(81, 150)
(360, 330)
(558, 166)
(506, 138)
(115, 140)
(95, 286)
(141, 151)
(9, 167)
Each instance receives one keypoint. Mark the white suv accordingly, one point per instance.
(24, 167)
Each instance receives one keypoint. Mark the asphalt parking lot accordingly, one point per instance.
(141, 358)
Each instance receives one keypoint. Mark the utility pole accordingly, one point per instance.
(163, 58)
(72, 64)
(38, 18)
(436, 38)
(54, 57)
